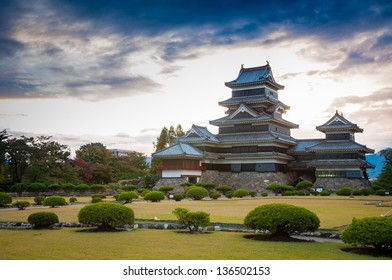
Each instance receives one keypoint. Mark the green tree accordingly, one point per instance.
(3, 147)
(18, 152)
(194, 221)
(384, 179)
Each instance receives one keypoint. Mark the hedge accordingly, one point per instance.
(43, 219)
(106, 215)
(281, 219)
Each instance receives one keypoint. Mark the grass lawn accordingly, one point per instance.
(333, 211)
(143, 244)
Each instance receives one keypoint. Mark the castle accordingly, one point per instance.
(254, 146)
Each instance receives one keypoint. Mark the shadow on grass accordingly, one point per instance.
(272, 238)
(193, 232)
(368, 252)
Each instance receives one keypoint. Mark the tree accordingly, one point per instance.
(106, 215)
(197, 193)
(194, 221)
(370, 231)
(281, 219)
(384, 179)
(18, 152)
(279, 188)
(3, 147)
(127, 197)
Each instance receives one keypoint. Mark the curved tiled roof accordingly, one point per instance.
(254, 76)
(179, 150)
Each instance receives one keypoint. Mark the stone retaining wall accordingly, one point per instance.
(333, 184)
(252, 181)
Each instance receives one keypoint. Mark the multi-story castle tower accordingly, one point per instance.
(254, 147)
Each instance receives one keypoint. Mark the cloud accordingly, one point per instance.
(88, 49)
(377, 100)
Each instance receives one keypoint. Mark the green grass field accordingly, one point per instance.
(68, 243)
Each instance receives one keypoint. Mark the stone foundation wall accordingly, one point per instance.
(333, 184)
(174, 182)
(252, 181)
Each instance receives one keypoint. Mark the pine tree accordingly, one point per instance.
(384, 179)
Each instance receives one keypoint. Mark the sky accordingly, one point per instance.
(117, 72)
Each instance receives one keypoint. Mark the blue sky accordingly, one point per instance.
(116, 72)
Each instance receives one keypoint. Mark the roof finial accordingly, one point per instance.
(267, 62)
(242, 66)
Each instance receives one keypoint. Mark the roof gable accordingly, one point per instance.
(243, 111)
(339, 123)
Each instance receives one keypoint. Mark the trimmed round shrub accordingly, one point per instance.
(96, 200)
(229, 194)
(207, 185)
(371, 231)
(178, 196)
(54, 201)
(196, 193)
(165, 189)
(39, 187)
(127, 197)
(380, 192)
(252, 194)
(106, 215)
(304, 185)
(129, 187)
(39, 199)
(223, 189)
(325, 193)
(143, 193)
(241, 193)
(82, 187)
(215, 195)
(264, 194)
(100, 195)
(73, 199)
(279, 188)
(53, 187)
(19, 188)
(5, 199)
(21, 205)
(281, 219)
(41, 220)
(345, 191)
(194, 221)
(365, 191)
(356, 192)
(142, 190)
(154, 196)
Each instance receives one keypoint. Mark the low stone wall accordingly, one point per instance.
(333, 184)
(252, 181)
(174, 182)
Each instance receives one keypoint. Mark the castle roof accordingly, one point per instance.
(338, 123)
(339, 145)
(179, 150)
(346, 163)
(255, 76)
(253, 99)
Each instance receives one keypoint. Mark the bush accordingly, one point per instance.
(264, 194)
(325, 193)
(39, 187)
(39, 199)
(154, 196)
(129, 187)
(194, 221)
(165, 189)
(344, 191)
(229, 194)
(304, 185)
(178, 196)
(96, 200)
(82, 187)
(365, 191)
(252, 194)
(281, 219)
(127, 197)
(19, 188)
(279, 188)
(240, 193)
(100, 195)
(5, 199)
(54, 201)
(43, 219)
(207, 185)
(73, 199)
(197, 193)
(142, 190)
(356, 192)
(53, 187)
(21, 205)
(371, 231)
(215, 195)
(223, 189)
(106, 215)
(380, 192)
(143, 194)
